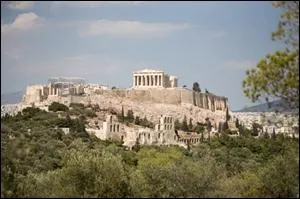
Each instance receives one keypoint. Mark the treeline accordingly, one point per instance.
(44, 162)
(130, 119)
(77, 109)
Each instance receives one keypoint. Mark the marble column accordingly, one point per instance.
(159, 77)
(139, 77)
(153, 80)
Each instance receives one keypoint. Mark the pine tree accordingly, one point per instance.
(122, 114)
(137, 120)
(184, 124)
(190, 125)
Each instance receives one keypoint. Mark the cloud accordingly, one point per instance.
(216, 34)
(23, 22)
(95, 3)
(239, 65)
(18, 5)
(124, 28)
(78, 65)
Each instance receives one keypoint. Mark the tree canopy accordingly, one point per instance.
(277, 75)
(196, 87)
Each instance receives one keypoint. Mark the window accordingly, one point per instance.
(114, 128)
(110, 128)
(118, 129)
(149, 136)
(158, 135)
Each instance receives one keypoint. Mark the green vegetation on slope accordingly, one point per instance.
(43, 161)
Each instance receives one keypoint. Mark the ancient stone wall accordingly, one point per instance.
(150, 103)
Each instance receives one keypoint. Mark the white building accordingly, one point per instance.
(149, 78)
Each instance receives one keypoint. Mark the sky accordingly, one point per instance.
(212, 43)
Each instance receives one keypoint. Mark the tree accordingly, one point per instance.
(122, 114)
(55, 106)
(237, 124)
(190, 125)
(288, 26)
(137, 120)
(177, 124)
(184, 126)
(277, 75)
(227, 115)
(196, 87)
(256, 128)
(130, 116)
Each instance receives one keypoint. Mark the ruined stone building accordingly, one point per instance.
(163, 134)
(110, 129)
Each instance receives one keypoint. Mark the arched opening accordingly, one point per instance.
(118, 129)
(110, 128)
(114, 128)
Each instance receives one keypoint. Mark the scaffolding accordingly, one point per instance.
(66, 84)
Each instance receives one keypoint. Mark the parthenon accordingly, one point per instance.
(148, 78)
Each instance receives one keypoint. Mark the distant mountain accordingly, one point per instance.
(12, 98)
(274, 106)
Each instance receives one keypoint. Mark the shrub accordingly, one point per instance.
(55, 106)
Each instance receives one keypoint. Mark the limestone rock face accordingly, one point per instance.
(150, 103)
(153, 111)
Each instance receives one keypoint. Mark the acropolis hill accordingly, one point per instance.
(154, 93)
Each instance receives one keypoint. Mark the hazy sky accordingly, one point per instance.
(212, 43)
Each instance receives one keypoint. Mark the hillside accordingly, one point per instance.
(38, 159)
(272, 107)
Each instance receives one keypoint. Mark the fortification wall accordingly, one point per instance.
(175, 96)
(150, 103)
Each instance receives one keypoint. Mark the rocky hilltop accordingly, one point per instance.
(150, 103)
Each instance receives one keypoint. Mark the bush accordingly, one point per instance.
(55, 106)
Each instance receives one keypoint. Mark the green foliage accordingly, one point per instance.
(184, 126)
(177, 124)
(196, 87)
(130, 116)
(288, 25)
(44, 162)
(256, 128)
(190, 125)
(55, 106)
(277, 75)
(137, 120)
